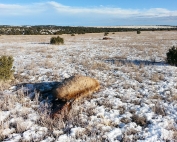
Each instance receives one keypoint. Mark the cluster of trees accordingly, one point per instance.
(172, 56)
(22, 30)
(57, 30)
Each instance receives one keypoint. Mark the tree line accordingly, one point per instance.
(58, 30)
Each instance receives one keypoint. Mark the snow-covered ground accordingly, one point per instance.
(137, 100)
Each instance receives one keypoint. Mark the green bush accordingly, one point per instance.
(56, 40)
(138, 32)
(6, 72)
(172, 56)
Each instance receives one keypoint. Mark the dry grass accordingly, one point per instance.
(89, 59)
(139, 120)
(4, 85)
(122, 110)
(130, 135)
(172, 98)
(138, 78)
(42, 50)
(125, 120)
(159, 108)
(49, 56)
(94, 65)
(99, 66)
(48, 63)
(21, 126)
(8, 103)
(155, 77)
(51, 124)
(156, 97)
(175, 135)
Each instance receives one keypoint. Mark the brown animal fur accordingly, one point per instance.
(76, 87)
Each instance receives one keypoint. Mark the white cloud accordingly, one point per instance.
(96, 10)
(159, 12)
(112, 11)
(19, 10)
(51, 8)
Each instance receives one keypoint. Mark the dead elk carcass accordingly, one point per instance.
(72, 89)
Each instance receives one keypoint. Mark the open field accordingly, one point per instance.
(136, 102)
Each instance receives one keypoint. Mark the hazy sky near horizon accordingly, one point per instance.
(88, 13)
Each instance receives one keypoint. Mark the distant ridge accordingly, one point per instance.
(137, 27)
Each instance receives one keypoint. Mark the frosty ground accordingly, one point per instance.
(137, 100)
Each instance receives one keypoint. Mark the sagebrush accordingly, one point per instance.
(172, 56)
(57, 40)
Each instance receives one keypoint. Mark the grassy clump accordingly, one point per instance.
(172, 56)
(56, 40)
(6, 72)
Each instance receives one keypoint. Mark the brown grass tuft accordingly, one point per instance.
(4, 85)
(139, 120)
(159, 109)
(175, 135)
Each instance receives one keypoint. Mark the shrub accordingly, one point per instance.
(56, 40)
(106, 38)
(6, 72)
(106, 33)
(58, 33)
(138, 32)
(172, 56)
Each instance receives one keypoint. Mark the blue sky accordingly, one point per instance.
(88, 12)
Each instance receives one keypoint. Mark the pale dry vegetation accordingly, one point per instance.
(138, 90)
